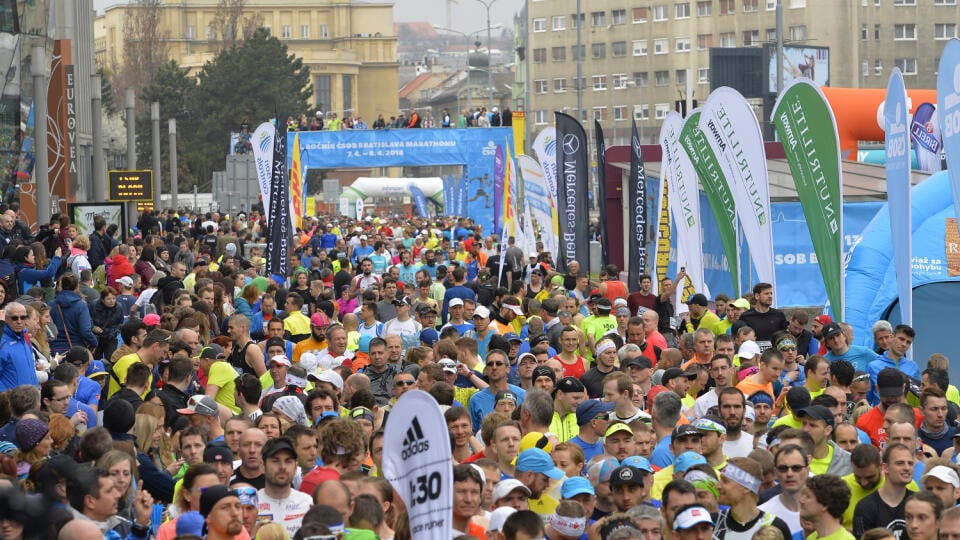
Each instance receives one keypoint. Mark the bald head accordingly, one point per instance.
(79, 529)
(334, 493)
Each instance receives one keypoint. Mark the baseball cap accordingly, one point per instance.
(589, 409)
(358, 413)
(684, 430)
(202, 405)
(674, 373)
(538, 461)
(328, 376)
(574, 486)
(823, 319)
(697, 299)
(505, 394)
(214, 453)
(830, 330)
(686, 460)
(319, 319)
(616, 428)
(944, 474)
(448, 365)
(709, 424)
(213, 352)
(889, 383)
(626, 475)
(481, 312)
(741, 303)
(280, 359)
(512, 336)
(570, 384)
(817, 412)
(690, 517)
(275, 446)
(499, 516)
(638, 462)
(125, 281)
(454, 302)
(641, 362)
(429, 336)
(505, 487)
(748, 349)
(425, 308)
(401, 301)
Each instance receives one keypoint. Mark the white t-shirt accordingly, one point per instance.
(288, 512)
(740, 447)
(790, 517)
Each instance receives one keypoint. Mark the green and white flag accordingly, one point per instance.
(806, 125)
(715, 187)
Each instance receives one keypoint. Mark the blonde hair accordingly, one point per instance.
(111, 458)
(82, 242)
(272, 531)
(144, 428)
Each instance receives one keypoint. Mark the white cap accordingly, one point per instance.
(482, 312)
(328, 376)
(448, 365)
(455, 302)
(498, 517)
(505, 487)
(944, 474)
(691, 517)
(748, 349)
(281, 359)
(125, 281)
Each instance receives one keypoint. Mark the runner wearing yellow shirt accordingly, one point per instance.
(156, 347)
(221, 377)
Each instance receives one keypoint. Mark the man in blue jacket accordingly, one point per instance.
(16, 356)
(70, 314)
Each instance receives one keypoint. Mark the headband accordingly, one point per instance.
(604, 345)
(742, 477)
(568, 526)
(704, 481)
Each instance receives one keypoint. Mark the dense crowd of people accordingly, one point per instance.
(166, 384)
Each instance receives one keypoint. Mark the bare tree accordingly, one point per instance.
(231, 26)
(146, 47)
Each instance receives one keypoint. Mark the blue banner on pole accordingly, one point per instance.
(420, 200)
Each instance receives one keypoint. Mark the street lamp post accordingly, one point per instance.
(470, 68)
(487, 5)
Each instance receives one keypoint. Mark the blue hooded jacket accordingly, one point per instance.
(76, 315)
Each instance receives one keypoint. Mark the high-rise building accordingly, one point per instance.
(640, 57)
(349, 47)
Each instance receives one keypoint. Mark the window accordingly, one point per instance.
(641, 78)
(620, 81)
(598, 50)
(728, 40)
(324, 31)
(704, 8)
(285, 31)
(640, 15)
(661, 110)
(944, 30)
(905, 32)
(704, 41)
(863, 32)
(559, 22)
(639, 47)
(347, 85)
(751, 38)
(641, 112)
(682, 10)
(321, 89)
(578, 53)
(619, 113)
(908, 66)
(771, 5)
(751, 6)
(904, 2)
(877, 67)
(540, 86)
(681, 77)
(661, 46)
(772, 35)
(599, 113)
(876, 31)
(728, 7)
(560, 86)
(659, 13)
(618, 16)
(618, 49)
(209, 33)
(304, 31)
(540, 24)
(574, 19)
(661, 78)
(683, 44)
(944, 3)
(599, 82)
(798, 4)
(559, 54)
(583, 116)
(540, 118)
(703, 75)
(539, 56)
(598, 18)
(798, 33)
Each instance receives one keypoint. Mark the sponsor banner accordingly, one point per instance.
(948, 110)
(296, 184)
(420, 200)
(805, 124)
(573, 167)
(416, 462)
(602, 193)
(542, 208)
(499, 169)
(684, 199)
(637, 202)
(896, 119)
(545, 148)
(263, 159)
(281, 233)
(730, 126)
(925, 136)
(662, 261)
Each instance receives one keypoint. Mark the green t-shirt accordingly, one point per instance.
(839, 534)
(223, 376)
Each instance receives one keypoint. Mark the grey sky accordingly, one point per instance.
(468, 15)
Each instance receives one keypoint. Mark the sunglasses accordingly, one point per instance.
(791, 468)
(863, 377)
(404, 383)
(602, 417)
(496, 364)
(18, 317)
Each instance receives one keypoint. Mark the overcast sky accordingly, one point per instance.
(468, 15)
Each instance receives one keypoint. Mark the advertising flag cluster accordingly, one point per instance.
(948, 109)
(602, 193)
(637, 203)
(541, 204)
(716, 189)
(731, 129)
(573, 167)
(684, 198)
(808, 130)
(278, 241)
(897, 147)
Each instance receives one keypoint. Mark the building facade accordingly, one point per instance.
(638, 58)
(349, 47)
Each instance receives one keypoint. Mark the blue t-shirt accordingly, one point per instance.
(380, 263)
(589, 450)
(483, 402)
(88, 391)
(408, 274)
(662, 456)
(857, 355)
(75, 406)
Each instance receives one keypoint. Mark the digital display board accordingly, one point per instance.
(130, 186)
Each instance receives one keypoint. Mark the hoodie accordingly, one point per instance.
(68, 308)
(119, 267)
